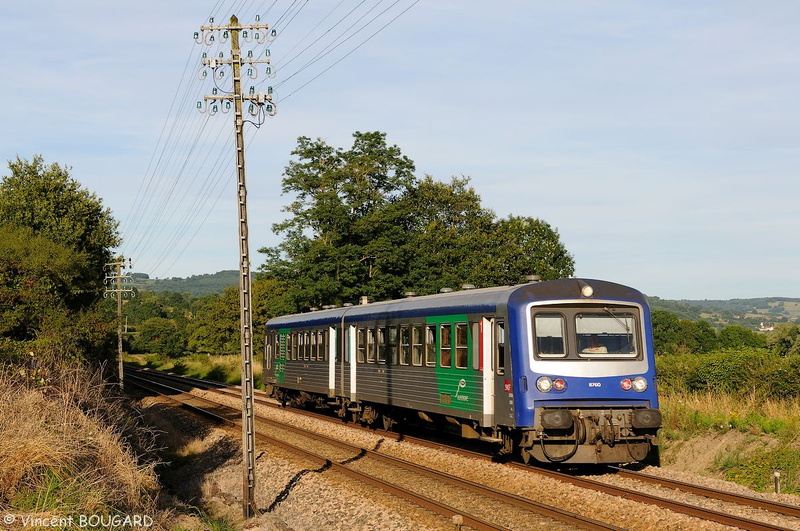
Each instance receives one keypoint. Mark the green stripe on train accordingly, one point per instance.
(458, 389)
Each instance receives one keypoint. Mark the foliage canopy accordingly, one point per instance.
(361, 224)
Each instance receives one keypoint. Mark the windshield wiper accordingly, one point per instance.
(617, 319)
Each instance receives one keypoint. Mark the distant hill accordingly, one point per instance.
(197, 285)
(749, 313)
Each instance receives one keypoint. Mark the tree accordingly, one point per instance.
(37, 276)
(732, 337)
(784, 340)
(666, 331)
(215, 327)
(52, 204)
(362, 225)
(527, 246)
(42, 284)
(160, 336)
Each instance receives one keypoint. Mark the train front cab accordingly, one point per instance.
(585, 379)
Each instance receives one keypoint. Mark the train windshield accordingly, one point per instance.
(583, 333)
(606, 335)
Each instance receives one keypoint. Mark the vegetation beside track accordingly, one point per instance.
(69, 448)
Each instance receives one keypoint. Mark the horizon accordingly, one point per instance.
(661, 141)
(236, 272)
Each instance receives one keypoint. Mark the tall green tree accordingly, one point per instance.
(361, 224)
(784, 340)
(55, 237)
(46, 199)
(342, 237)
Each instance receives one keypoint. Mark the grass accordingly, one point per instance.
(67, 447)
(773, 426)
(225, 369)
(689, 414)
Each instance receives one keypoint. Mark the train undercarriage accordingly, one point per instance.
(565, 436)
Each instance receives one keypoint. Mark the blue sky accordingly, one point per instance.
(661, 139)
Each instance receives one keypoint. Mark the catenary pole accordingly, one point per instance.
(263, 101)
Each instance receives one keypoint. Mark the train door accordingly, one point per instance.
(458, 377)
(503, 388)
(281, 354)
(331, 357)
(343, 369)
(484, 353)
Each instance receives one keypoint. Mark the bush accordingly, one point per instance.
(739, 372)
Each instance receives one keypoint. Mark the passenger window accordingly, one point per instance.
(549, 335)
(430, 345)
(370, 345)
(500, 345)
(446, 345)
(381, 345)
(326, 346)
(393, 343)
(462, 345)
(405, 345)
(477, 345)
(294, 346)
(268, 352)
(416, 345)
(360, 346)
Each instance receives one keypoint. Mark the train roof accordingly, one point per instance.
(457, 302)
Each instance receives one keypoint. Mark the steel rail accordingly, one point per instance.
(441, 508)
(683, 508)
(732, 497)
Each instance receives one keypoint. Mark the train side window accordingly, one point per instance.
(314, 347)
(416, 345)
(500, 346)
(360, 346)
(325, 344)
(462, 345)
(268, 352)
(430, 345)
(393, 344)
(405, 345)
(305, 346)
(476, 346)
(320, 345)
(446, 345)
(548, 330)
(370, 345)
(382, 345)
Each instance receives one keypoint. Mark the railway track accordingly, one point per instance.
(398, 477)
(759, 507)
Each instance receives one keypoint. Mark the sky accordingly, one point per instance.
(660, 139)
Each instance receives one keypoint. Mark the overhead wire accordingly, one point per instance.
(188, 171)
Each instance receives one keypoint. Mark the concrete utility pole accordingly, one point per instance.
(114, 273)
(260, 106)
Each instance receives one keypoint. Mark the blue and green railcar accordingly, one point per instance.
(558, 371)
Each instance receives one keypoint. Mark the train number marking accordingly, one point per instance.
(595, 384)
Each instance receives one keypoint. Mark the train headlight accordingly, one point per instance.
(626, 384)
(559, 384)
(544, 384)
(639, 384)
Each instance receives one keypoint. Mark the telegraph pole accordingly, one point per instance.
(114, 277)
(260, 106)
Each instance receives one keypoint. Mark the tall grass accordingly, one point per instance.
(687, 414)
(225, 369)
(67, 447)
(773, 426)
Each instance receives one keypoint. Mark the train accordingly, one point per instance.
(552, 372)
